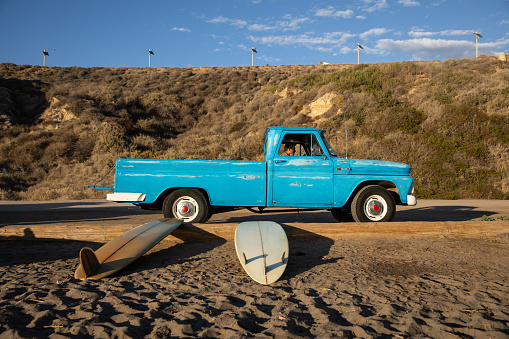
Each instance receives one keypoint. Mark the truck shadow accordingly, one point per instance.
(441, 213)
(319, 216)
(68, 212)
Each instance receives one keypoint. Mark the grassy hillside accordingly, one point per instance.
(62, 128)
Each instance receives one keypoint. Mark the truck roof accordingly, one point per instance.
(281, 128)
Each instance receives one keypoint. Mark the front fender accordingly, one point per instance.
(345, 186)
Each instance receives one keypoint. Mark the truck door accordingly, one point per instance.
(304, 178)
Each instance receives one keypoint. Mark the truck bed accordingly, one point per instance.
(227, 183)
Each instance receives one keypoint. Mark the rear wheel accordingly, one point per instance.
(187, 204)
(373, 203)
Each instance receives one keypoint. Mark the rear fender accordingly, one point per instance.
(160, 199)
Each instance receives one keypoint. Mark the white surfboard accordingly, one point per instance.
(123, 250)
(262, 248)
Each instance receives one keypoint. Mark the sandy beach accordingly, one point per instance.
(440, 284)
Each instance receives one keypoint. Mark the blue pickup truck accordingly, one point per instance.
(299, 170)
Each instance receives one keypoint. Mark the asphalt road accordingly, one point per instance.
(97, 212)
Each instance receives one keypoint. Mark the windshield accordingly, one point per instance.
(329, 147)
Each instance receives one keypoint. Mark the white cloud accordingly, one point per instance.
(426, 48)
(342, 37)
(373, 32)
(494, 46)
(260, 27)
(287, 24)
(332, 12)
(504, 22)
(324, 43)
(362, 17)
(223, 20)
(441, 49)
(409, 3)
(346, 50)
(456, 32)
(419, 33)
(238, 23)
(218, 20)
(374, 5)
(291, 24)
(325, 12)
(302, 39)
(308, 40)
(344, 14)
(243, 47)
(180, 29)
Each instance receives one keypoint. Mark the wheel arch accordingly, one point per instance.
(388, 185)
(158, 204)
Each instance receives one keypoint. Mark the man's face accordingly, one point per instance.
(290, 150)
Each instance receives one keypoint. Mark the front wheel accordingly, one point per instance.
(188, 205)
(373, 203)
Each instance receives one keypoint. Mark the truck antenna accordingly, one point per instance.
(346, 137)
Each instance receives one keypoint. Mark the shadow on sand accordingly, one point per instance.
(441, 213)
(196, 241)
(25, 250)
(307, 250)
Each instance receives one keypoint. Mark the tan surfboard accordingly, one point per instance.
(262, 248)
(123, 250)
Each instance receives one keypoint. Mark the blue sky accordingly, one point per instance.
(110, 33)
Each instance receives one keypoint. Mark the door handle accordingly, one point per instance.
(281, 161)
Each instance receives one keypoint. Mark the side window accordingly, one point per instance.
(300, 145)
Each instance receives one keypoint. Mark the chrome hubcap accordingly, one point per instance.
(185, 208)
(375, 208)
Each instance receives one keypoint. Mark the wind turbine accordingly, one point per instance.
(253, 51)
(150, 53)
(45, 53)
(359, 47)
(477, 36)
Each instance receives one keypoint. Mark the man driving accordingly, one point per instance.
(289, 149)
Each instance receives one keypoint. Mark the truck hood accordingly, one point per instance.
(376, 167)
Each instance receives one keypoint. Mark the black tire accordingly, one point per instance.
(373, 204)
(342, 214)
(187, 204)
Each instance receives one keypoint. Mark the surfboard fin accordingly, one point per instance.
(283, 257)
(88, 260)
